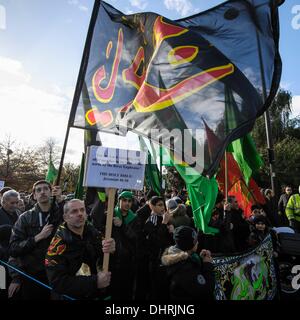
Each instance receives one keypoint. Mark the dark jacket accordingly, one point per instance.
(271, 211)
(221, 220)
(256, 237)
(7, 218)
(241, 230)
(141, 217)
(65, 256)
(282, 203)
(189, 277)
(5, 232)
(125, 237)
(22, 244)
(157, 239)
(143, 213)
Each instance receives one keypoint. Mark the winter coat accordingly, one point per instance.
(271, 212)
(7, 218)
(157, 239)
(256, 237)
(189, 277)
(22, 244)
(65, 256)
(241, 230)
(5, 232)
(224, 239)
(125, 237)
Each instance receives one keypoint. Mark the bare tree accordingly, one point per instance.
(49, 151)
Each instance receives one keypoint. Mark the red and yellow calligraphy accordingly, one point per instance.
(182, 54)
(105, 94)
(151, 98)
(56, 249)
(130, 74)
(94, 116)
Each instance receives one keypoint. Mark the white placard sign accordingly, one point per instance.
(114, 168)
(2, 184)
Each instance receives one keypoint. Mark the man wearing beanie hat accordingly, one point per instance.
(123, 260)
(259, 231)
(191, 275)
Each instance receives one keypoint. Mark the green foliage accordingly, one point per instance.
(286, 140)
(288, 160)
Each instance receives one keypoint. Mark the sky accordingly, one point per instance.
(41, 45)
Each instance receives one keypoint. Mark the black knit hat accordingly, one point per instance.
(185, 238)
(259, 219)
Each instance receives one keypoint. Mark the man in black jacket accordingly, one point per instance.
(158, 235)
(142, 276)
(72, 257)
(31, 236)
(240, 227)
(8, 211)
(282, 203)
(191, 276)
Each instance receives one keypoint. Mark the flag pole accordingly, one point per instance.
(226, 177)
(108, 227)
(160, 168)
(270, 146)
(79, 84)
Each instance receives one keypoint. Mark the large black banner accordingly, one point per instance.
(250, 276)
(144, 72)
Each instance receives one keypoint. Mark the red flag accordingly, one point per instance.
(246, 196)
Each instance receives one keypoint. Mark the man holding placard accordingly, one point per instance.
(71, 260)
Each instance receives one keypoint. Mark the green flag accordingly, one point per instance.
(152, 175)
(202, 193)
(79, 188)
(201, 190)
(243, 149)
(51, 173)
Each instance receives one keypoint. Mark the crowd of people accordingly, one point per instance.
(155, 250)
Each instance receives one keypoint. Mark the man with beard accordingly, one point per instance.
(31, 236)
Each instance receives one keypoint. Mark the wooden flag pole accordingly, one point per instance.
(109, 221)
